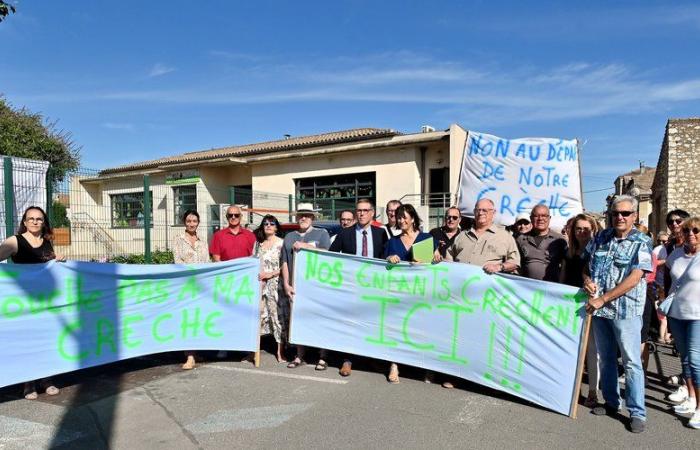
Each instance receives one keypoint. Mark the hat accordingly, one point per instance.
(522, 216)
(306, 208)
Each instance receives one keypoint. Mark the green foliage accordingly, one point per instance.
(5, 10)
(157, 257)
(59, 215)
(28, 135)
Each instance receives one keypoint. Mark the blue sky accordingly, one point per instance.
(135, 80)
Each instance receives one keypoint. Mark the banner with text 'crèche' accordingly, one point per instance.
(518, 174)
(510, 333)
(59, 317)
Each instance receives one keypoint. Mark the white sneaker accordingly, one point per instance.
(695, 420)
(687, 407)
(680, 395)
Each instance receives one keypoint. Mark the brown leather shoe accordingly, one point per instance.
(346, 369)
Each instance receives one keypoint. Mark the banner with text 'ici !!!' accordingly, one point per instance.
(59, 317)
(510, 333)
(517, 174)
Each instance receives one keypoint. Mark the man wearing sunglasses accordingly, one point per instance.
(617, 260)
(363, 239)
(446, 234)
(233, 241)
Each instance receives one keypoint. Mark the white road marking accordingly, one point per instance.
(276, 374)
(247, 418)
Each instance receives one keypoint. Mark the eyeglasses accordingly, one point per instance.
(677, 221)
(582, 229)
(35, 219)
(482, 211)
(269, 224)
(622, 213)
(363, 211)
(695, 230)
(231, 216)
(451, 217)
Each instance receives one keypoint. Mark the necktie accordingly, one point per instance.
(364, 242)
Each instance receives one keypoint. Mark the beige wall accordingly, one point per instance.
(397, 172)
(458, 139)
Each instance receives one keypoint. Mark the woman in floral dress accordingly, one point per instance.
(274, 308)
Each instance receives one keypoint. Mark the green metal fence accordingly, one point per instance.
(103, 218)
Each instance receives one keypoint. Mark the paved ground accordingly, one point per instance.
(150, 403)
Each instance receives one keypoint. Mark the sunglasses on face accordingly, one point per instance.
(581, 229)
(451, 217)
(622, 213)
(269, 224)
(695, 230)
(231, 216)
(676, 221)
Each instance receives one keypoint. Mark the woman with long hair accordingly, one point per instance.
(189, 248)
(274, 310)
(32, 245)
(400, 248)
(580, 231)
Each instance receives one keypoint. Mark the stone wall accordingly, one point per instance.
(677, 180)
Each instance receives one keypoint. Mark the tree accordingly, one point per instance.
(28, 135)
(5, 9)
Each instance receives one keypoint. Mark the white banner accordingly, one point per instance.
(517, 174)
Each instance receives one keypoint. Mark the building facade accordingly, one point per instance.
(677, 179)
(330, 170)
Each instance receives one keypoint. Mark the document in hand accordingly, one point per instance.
(423, 250)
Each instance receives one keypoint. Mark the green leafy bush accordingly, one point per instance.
(157, 257)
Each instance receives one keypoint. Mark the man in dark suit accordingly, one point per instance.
(364, 239)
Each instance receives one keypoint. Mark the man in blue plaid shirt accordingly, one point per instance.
(618, 258)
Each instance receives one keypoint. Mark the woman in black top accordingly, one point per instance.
(581, 230)
(32, 245)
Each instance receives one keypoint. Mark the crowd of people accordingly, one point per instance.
(623, 275)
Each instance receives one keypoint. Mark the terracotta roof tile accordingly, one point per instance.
(336, 137)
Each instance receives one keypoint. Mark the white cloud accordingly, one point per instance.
(119, 126)
(159, 69)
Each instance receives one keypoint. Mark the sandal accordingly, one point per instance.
(393, 377)
(321, 365)
(294, 364)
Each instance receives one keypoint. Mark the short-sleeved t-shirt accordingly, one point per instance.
(686, 302)
(542, 256)
(231, 246)
(317, 236)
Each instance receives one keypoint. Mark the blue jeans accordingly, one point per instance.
(687, 336)
(623, 334)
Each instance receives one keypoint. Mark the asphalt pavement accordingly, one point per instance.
(151, 403)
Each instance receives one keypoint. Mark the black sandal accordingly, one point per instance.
(294, 364)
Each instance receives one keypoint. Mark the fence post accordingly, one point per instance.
(9, 197)
(147, 217)
(291, 205)
(232, 195)
(49, 197)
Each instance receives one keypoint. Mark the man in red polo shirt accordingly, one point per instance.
(232, 242)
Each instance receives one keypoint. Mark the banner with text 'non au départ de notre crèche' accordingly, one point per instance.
(59, 317)
(517, 174)
(510, 333)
